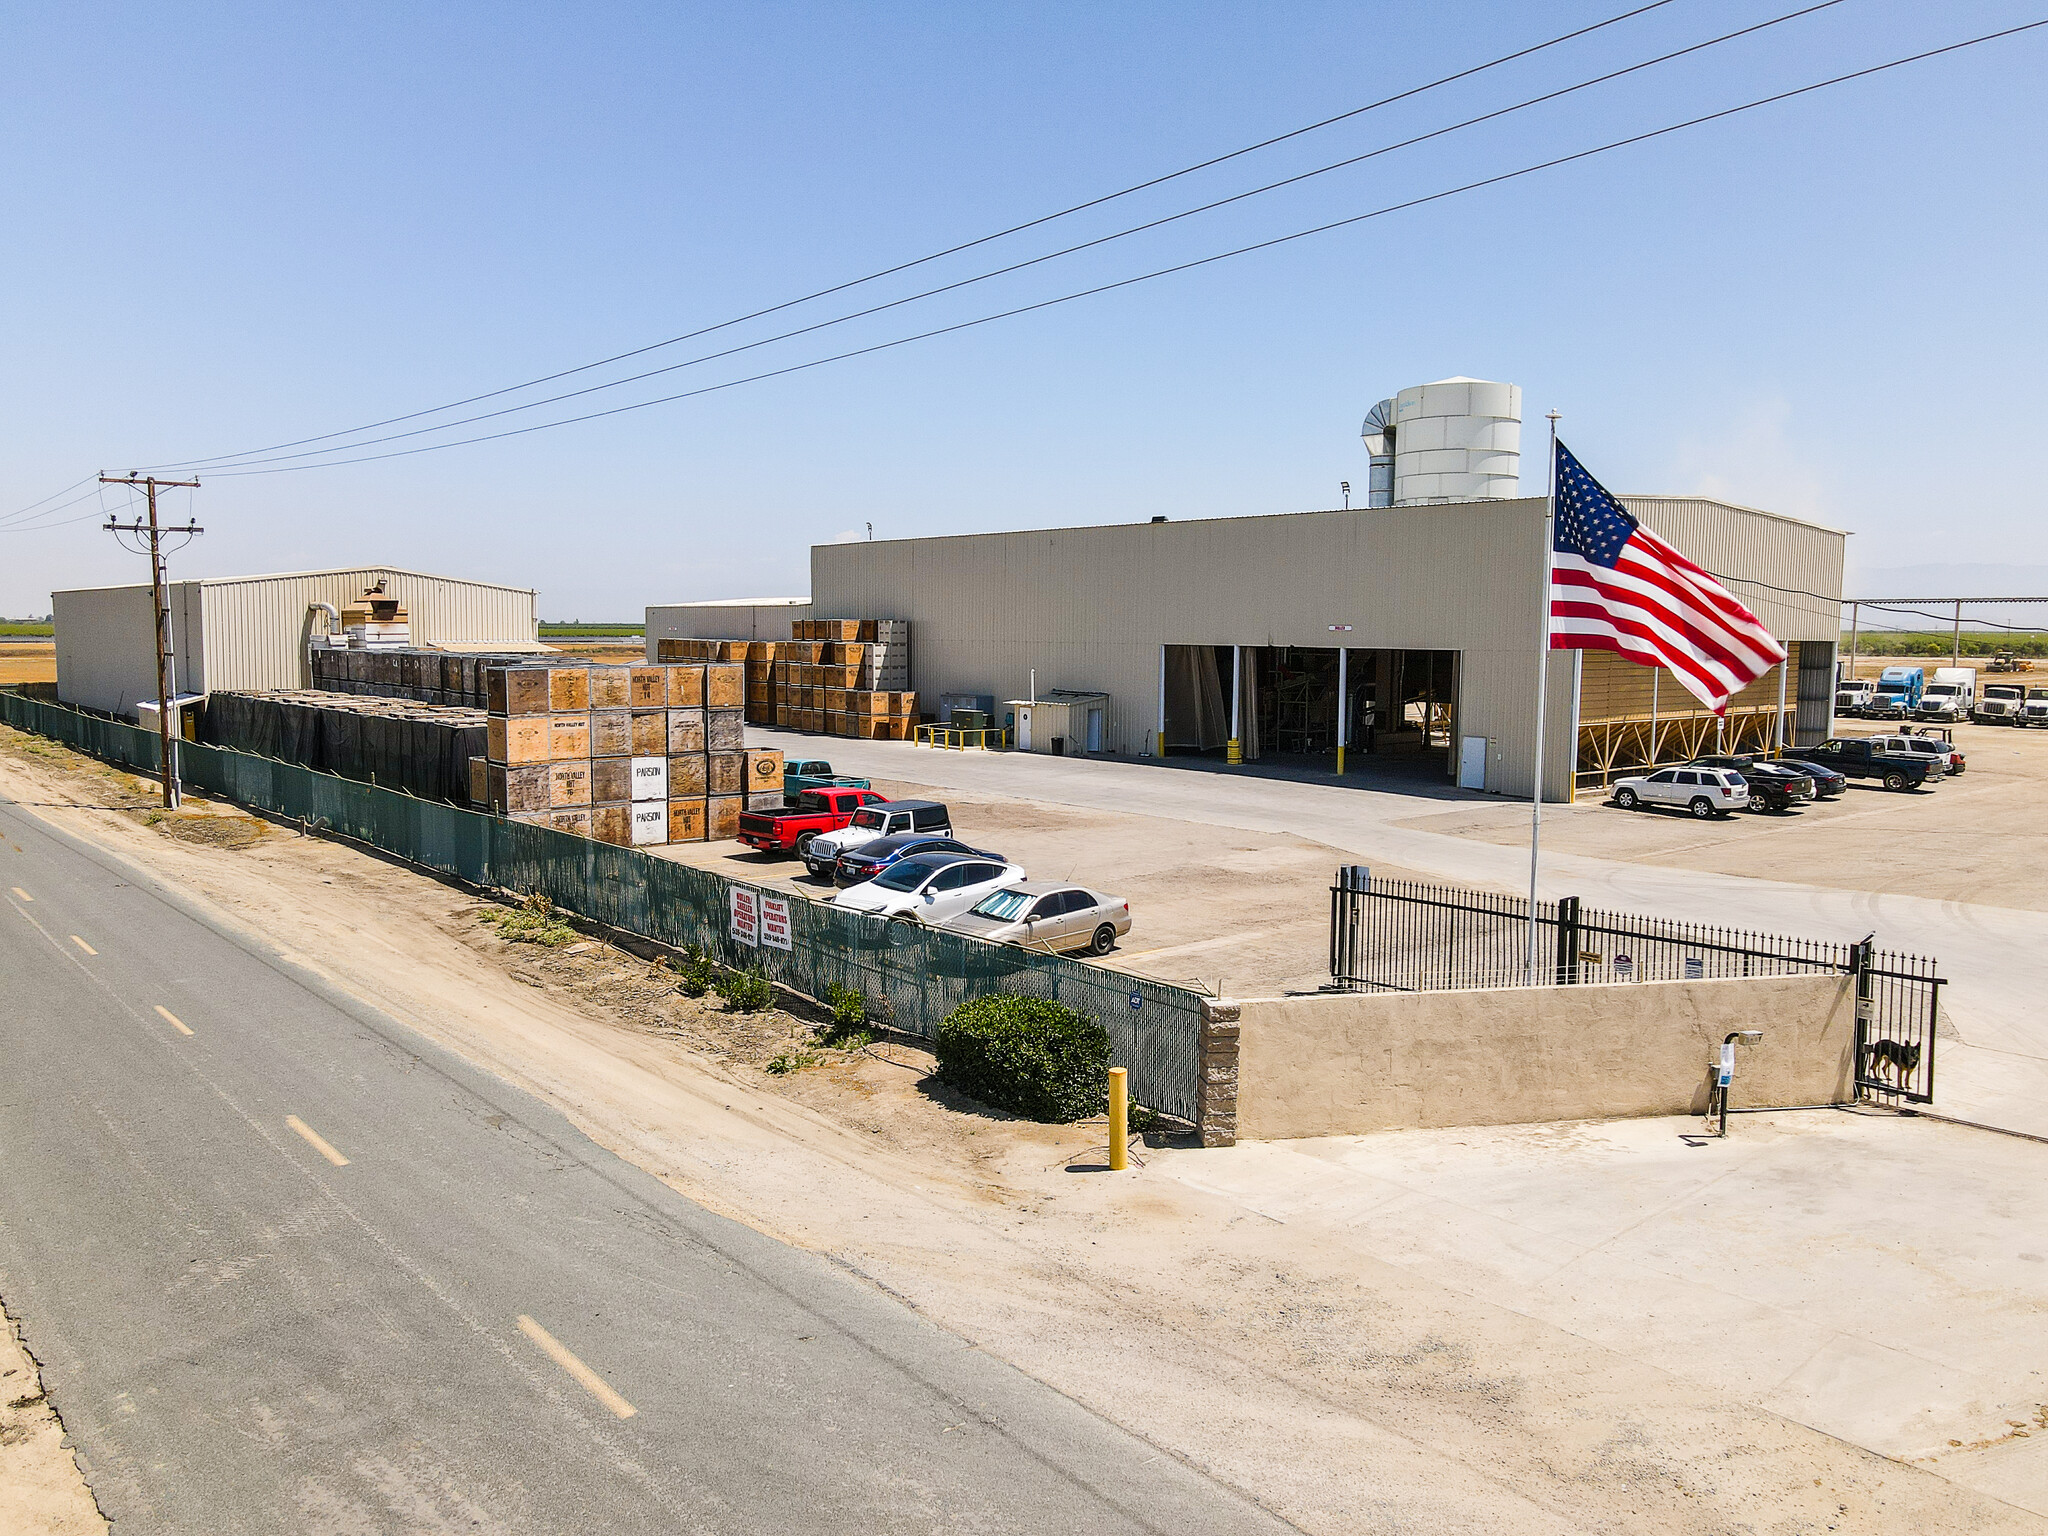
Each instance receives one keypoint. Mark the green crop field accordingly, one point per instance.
(576, 631)
(16, 629)
(1941, 642)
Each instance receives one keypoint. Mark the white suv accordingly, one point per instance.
(1703, 791)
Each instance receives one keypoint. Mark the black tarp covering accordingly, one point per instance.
(423, 749)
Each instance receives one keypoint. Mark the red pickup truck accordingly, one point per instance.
(816, 810)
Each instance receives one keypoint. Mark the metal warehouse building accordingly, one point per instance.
(245, 632)
(1437, 606)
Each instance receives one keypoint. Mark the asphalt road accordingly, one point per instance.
(287, 1266)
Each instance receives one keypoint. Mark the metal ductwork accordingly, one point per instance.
(1378, 434)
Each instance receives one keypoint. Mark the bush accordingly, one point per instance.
(746, 991)
(849, 1029)
(1033, 1057)
(532, 922)
(697, 976)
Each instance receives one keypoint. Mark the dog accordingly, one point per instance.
(1896, 1057)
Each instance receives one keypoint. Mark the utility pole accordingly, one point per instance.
(161, 604)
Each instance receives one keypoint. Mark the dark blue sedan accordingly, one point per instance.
(870, 859)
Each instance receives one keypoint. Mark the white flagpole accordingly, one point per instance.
(1542, 677)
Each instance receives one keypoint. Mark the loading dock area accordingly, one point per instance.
(1403, 634)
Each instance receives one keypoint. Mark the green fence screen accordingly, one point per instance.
(912, 977)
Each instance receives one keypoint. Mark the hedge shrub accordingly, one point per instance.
(1030, 1056)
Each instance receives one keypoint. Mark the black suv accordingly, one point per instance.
(1773, 786)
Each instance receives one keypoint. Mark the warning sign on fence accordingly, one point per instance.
(746, 915)
(775, 922)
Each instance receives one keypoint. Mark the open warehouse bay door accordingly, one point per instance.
(1398, 707)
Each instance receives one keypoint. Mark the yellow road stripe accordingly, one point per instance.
(83, 945)
(592, 1382)
(24, 895)
(176, 1023)
(319, 1144)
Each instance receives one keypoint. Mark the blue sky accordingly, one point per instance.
(236, 225)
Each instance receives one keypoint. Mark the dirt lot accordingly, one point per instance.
(1342, 1389)
(33, 661)
(1982, 837)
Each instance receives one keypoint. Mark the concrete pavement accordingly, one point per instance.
(288, 1266)
(1995, 958)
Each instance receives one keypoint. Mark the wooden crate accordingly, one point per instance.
(479, 781)
(531, 818)
(785, 716)
(611, 687)
(840, 677)
(568, 737)
(840, 725)
(847, 654)
(508, 690)
(519, 790)
(722, 817)
(725, 730)
(650, 732)
(730, 650)
(569, 689)
(760, 693)
(568, 784)
(686, 686)
(726, 773)
(647, 687)
(516, 739)
(613, 824)
(611, 779)
(835, 629)
(764, 771)
(649, 823)
(685, 731)
(725, 686)
(611, 732)
(769, 801)
(688, 776)
(686, 819)
(576, 820)
(835, 702)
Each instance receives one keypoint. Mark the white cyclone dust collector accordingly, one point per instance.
(1454, 440)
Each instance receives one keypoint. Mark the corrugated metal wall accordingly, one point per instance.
(249, 632)
(1089, 608)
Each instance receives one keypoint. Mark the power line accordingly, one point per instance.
(35, 526)
(1415, 202)
(967, 282)
(74, 485)
(954, 250)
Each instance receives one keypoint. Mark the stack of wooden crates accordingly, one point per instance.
(844, 677)
(626, 755)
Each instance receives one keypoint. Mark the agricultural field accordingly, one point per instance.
(580, 631)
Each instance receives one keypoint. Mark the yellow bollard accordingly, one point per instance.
(1340, 762)
(1233, 753)
(1162, 743)
(1119, 1120)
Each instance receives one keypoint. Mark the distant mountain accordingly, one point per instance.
(1950, 581)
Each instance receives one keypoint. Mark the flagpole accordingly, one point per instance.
(1542, 678)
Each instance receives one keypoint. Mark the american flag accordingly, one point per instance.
(1615, 586)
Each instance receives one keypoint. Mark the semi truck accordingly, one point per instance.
(1853, 696)
(1950, 695)
(1898, 692)
(2002, 704)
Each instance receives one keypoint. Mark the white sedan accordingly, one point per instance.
(1703, 791)
(929, 888)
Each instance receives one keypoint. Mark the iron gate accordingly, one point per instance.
(1405, 936)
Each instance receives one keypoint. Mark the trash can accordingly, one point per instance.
(1059, 746)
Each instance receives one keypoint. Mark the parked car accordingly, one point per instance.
(1875, 757)
(2035, 711)
(2001, 704)
(869, 860)
(1938, 742)
(930, 887)
(1703, 791)
(1827, 783)
(1773, 786)
(1854, 696)
(870, 822)
(805, 773)
(1043, 914)
(1949, 695)
(793, 829)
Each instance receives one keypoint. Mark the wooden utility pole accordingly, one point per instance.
(160, 603)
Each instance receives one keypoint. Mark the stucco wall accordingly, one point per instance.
(1338, 1065)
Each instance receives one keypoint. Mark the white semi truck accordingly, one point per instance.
(1951, 694)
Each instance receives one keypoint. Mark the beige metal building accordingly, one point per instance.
(1417, 625)
(741, 618)
(246, 632)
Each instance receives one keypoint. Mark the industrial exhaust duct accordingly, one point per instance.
(1453, 440)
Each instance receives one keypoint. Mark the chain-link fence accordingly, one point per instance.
(912, 976)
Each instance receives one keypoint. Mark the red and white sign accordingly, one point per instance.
(775, 922)
(746, 916)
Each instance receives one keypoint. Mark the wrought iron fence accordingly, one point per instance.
(912, 976)
(1407, 936)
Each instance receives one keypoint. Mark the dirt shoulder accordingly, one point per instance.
(1342, 1391)
(42, 1492)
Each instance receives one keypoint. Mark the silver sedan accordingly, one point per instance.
(1050, 915)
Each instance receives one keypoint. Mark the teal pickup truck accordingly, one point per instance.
(800, 774)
